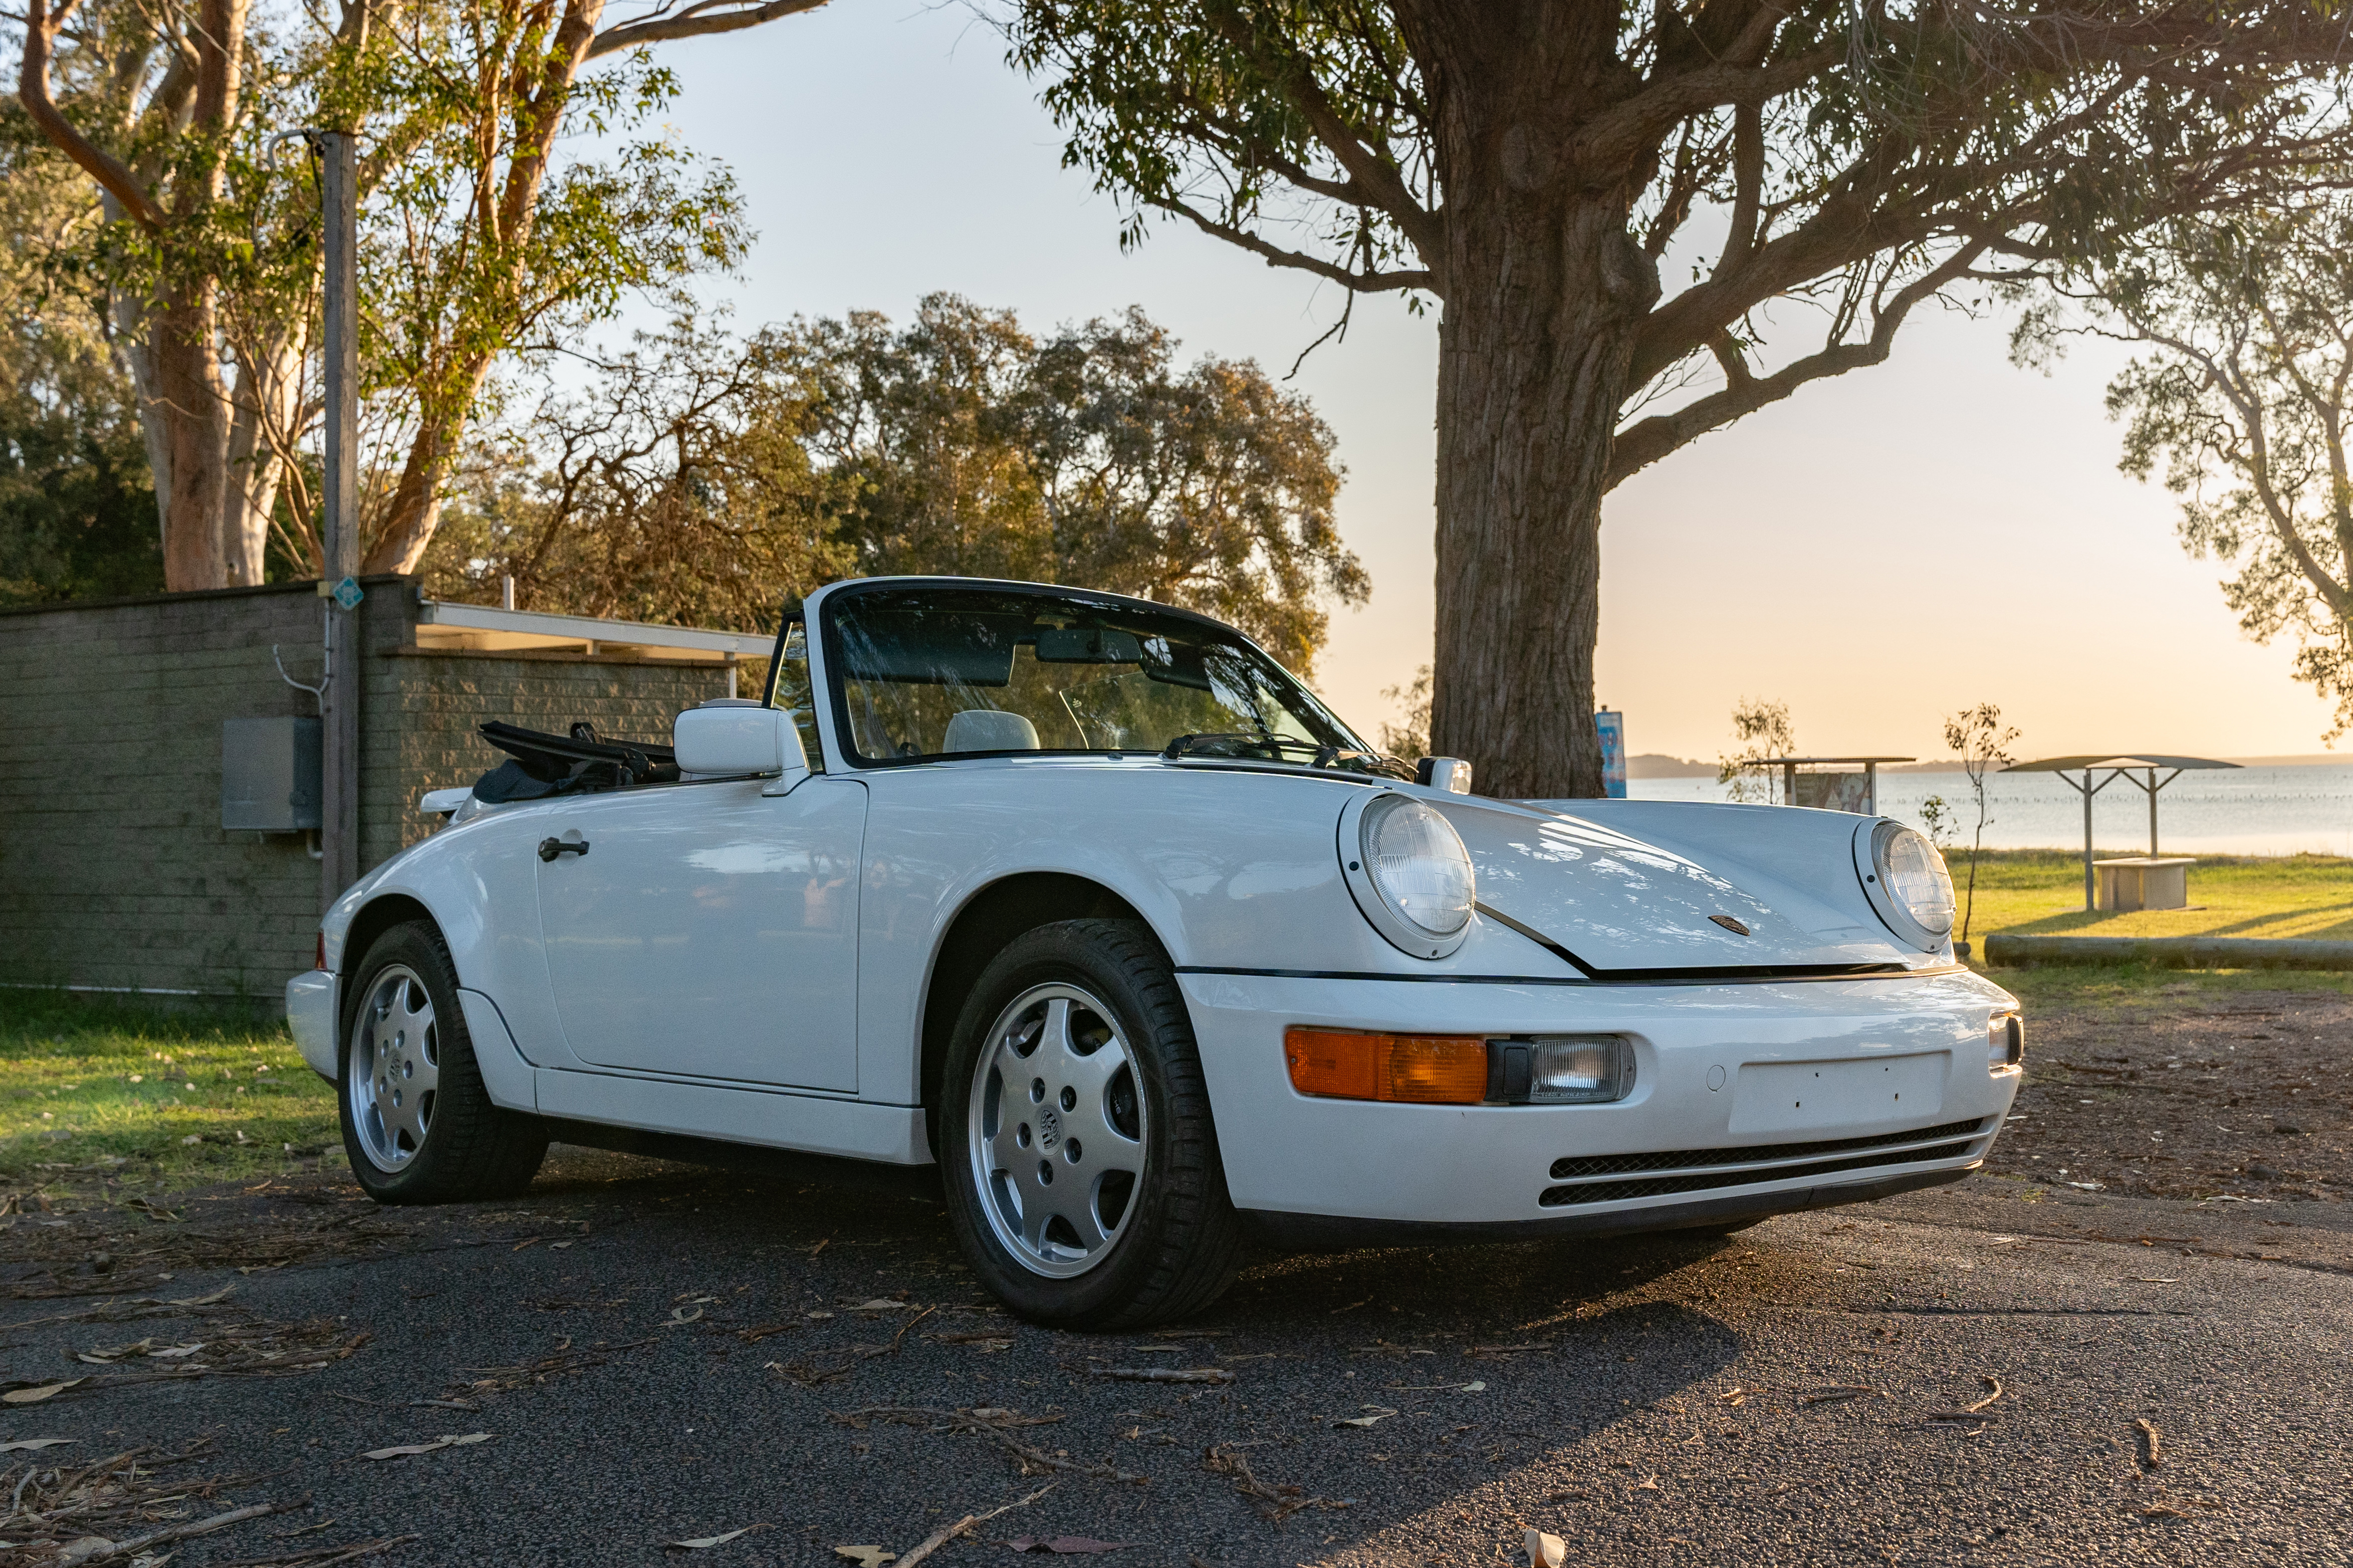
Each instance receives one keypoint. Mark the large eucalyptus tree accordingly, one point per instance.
(1537, 167)
(476, 230)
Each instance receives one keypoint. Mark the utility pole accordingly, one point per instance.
(339, 838)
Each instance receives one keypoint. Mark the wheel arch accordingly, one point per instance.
(990, 921)
(374, 918)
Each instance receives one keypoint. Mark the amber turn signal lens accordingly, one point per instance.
(1423, 1069)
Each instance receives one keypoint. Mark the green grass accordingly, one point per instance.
(2040, 892)
(84, 1081)
(2100, 987)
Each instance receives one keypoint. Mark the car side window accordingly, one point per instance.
(791, 691)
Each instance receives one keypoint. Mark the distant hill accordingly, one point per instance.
(1658, 765)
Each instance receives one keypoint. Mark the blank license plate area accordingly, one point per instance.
(1878, 1095)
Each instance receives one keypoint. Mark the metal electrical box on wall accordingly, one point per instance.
(270, 775)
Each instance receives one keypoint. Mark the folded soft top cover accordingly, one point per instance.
(580, 762)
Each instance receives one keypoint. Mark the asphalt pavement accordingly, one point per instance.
(1996, 1373)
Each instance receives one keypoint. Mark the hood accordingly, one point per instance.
(1619, 906)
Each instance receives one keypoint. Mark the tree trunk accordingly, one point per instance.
(191, 410)
(263, 413)
(1545, 291)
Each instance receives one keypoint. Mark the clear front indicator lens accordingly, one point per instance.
(1575, 1069)
(1914, 874)
(2005, 1041)
(1417, 865)
(1560, 1069)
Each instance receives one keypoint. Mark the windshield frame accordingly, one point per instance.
(1286, 686)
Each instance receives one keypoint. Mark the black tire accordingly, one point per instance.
(1178, 1240)
(468, 1148)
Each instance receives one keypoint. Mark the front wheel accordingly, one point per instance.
(1082, 1171)
(419, 1124)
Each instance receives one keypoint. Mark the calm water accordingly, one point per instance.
(2222, 811)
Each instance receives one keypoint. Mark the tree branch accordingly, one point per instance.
(1362, 282)
(1618, 137)
(1747, 186)
(1378, 175)
(694, 22)
(1637, 448)
(41, 27)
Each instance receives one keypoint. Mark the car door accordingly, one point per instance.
(709, 929)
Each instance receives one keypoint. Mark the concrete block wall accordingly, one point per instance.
(115, 872)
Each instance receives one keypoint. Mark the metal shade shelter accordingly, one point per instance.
(2118, 767)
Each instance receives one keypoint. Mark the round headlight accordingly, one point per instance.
(1913, 875)
(1413, 863)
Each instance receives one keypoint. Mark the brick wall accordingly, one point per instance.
(114, 869)
(417, 729)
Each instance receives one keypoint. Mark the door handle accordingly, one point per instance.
(549, 849)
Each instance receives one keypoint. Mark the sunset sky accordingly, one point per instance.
(1876, 551)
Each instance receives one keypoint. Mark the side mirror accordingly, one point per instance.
(736, 736)
(1451, 775)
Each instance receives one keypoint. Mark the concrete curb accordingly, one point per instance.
(2170, 951)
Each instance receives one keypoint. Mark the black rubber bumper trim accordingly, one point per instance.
(1309, 1232)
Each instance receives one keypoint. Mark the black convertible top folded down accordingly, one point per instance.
(581, 763)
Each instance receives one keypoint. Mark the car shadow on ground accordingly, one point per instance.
(1372, 1391)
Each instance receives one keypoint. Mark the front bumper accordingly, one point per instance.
(1710, 1135)
(310, 1008)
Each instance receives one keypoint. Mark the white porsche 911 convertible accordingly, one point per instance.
(1089, 902)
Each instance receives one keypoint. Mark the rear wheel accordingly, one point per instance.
(1081, 1167)
(419, 1124)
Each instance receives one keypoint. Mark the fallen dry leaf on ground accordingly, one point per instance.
(22, 1444)
(1380, 1413)
(1545, 1551)
(405, 1449)
(866, 1556)
(704, 1542)
(34, 1395)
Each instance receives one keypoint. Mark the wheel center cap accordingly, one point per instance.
(1050, 1128)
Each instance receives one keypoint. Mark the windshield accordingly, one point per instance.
(928, 672)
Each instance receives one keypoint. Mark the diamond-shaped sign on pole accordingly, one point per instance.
(348, 593)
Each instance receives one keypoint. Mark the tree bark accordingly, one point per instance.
(191, 406)
(1545, 294)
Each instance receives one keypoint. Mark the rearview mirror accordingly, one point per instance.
(733, 736)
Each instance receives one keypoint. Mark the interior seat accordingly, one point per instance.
(986, 730)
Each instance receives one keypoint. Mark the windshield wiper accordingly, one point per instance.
(1323, 755)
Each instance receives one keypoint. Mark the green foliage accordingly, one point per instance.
(1410, 737)
(507, 198)
(698, 477)
(1761, 729)
(2240, 402)
(1979, 741)
(77, 511)
(1351, 138)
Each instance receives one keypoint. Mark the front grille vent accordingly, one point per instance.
(1756, 1154)
(1758, 1162)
